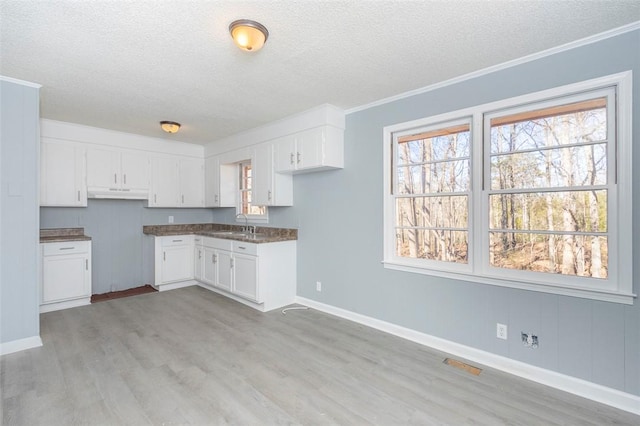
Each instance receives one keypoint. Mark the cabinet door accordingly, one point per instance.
(212, 182)
(135, 170)
(62, 175)
(245, 282)
(65, 277)
(210, 266)
(103, 169)
(177, 263)
(198, 263)
(224, 270)
(191, 172)
(309, 149)
(262, 183)
(164, 183)
(285, 154)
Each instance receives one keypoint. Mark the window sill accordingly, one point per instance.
(605, 296)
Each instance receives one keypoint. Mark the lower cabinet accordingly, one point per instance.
(173, 261)
(245, 280)
(66, 275)
(259, 275)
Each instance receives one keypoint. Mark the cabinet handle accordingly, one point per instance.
(269, 195)
(78, 195)
(115, 178)
(176, 241)
(199, 254)
(291, 158)
(67, 248)
(183, 199)
(231, 263)
(298, 156)
(242, 247)
(125, 178)
(155, 198)
(216, 198)
(164, 255)
(86, 264)
(214, 258)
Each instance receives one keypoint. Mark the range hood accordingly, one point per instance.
(118, 193)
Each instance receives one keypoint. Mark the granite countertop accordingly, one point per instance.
(218, 230)
(57, 235)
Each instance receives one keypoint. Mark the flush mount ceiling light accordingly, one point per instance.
(170, 126)
(248, 35)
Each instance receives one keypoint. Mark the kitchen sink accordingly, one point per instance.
(225, 233)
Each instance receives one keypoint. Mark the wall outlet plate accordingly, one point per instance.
(501, 331)
(318, 286)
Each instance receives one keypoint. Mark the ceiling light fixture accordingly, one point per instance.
(248, 35)
(170, 126)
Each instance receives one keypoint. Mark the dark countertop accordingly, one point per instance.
(216, 230)
(57, 235)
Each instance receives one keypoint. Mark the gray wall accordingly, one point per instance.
(19, 163)
(339, 214)
(122, 255)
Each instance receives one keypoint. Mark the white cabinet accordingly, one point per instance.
(245, 277)
(319, 148)
(174, 261)
(66, 275)
(191, 182)
(117, 174)
(262, 276)
(62, 174)
(269, 188)
(198, 259)
(219, 183)
(176, 182)
(163, 191)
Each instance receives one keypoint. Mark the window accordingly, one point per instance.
(254, 213)
(532, 192)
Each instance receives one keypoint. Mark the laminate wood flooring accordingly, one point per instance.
(190, 356)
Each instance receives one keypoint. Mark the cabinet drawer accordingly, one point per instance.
(71, 247)
(217, 243)
(176, 240)
(246, 248)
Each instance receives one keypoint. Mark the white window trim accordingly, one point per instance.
(251, 218)
(475, 270)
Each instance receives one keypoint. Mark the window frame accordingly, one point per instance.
(617, 287)
(254, 218)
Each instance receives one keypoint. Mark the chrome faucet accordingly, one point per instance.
(245, 228)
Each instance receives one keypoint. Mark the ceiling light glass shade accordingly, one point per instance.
(248, 35)
(170, 126)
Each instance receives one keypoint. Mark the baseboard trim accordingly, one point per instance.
(20, 345)
(595, 392)
(174, 286)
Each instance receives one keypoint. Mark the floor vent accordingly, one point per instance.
(461, 365)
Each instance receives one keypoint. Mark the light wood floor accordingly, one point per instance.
(190, 356)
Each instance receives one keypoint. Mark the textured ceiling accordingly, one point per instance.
(126, 65)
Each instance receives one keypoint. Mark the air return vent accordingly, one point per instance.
(461, 365)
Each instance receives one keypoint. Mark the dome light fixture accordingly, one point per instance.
(248, 35)
(170, 126)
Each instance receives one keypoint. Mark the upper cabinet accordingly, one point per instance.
(191, 182)
(219, 185)
(117, 174)
(176, 182)
(62, 174)
(269, 188)
(316, 149)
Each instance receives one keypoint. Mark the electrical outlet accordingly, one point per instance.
(501, 331)
(170, 219)
(529, 340)
(318, 286)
